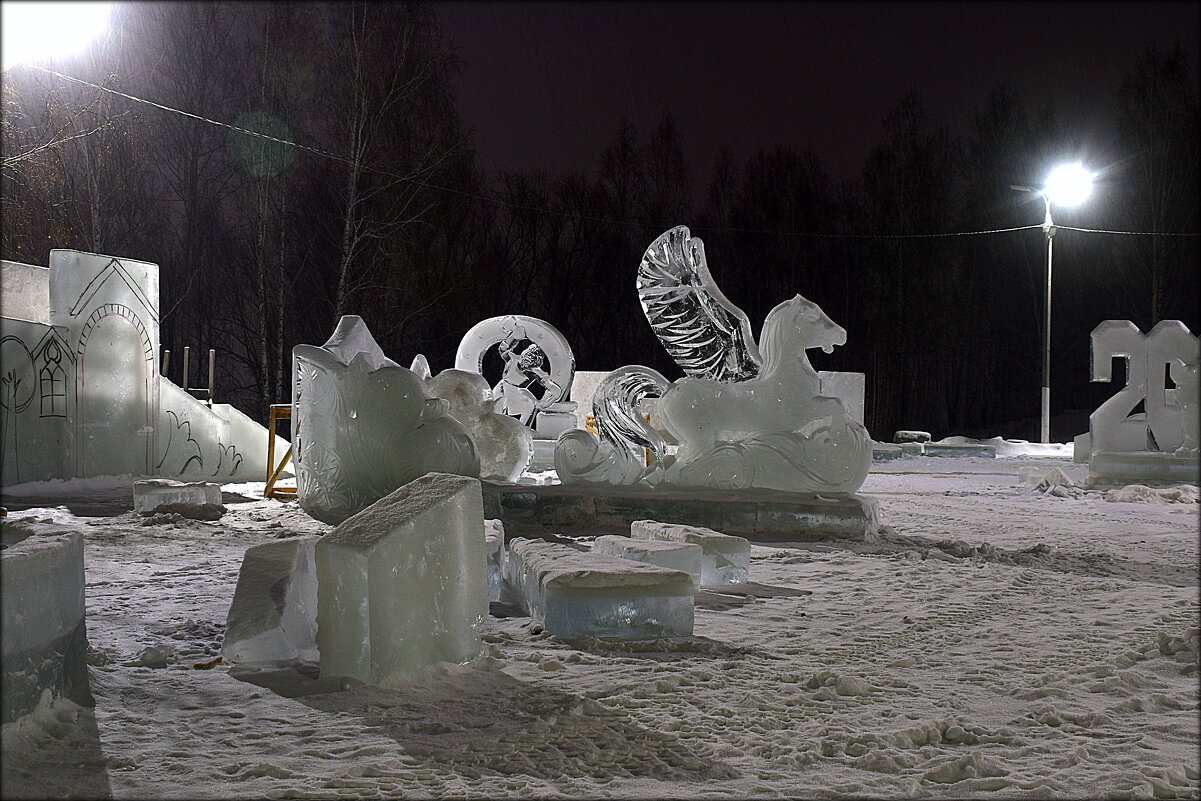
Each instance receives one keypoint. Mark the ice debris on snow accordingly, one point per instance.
(273, 616)
(198, 500)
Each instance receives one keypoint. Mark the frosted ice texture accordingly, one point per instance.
(503, 444)
(494, 540)
(150, 494)
(574, 593)
(538, 370)
(1161, 428)
(749, 417)
(403, 585)
(683, 556)
(725, 559)
(273, 616)
(1185, 378)
(365, 426)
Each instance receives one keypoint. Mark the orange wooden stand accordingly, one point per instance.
(279, 411)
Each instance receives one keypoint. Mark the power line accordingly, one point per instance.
(524, 207)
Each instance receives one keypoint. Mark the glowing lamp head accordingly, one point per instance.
(35, 31)
(1069, 185)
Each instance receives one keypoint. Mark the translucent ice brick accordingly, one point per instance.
(724, 559)
(273, 617)
(150, 494)
(585, 594)
(494, 539)
(674, 555)
(403, 584)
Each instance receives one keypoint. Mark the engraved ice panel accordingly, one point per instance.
(365, 426)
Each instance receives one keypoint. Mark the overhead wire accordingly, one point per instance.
(526, 207)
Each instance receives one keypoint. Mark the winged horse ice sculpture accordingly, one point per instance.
(746, 415)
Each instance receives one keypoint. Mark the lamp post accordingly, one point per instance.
(1067, 185)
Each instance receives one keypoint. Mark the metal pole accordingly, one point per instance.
(1045, 419)
(212, 356)
(187, 350)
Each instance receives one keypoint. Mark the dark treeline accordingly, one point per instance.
(263, 246)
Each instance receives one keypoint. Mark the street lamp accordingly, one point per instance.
(34, 31)
(1067, 185)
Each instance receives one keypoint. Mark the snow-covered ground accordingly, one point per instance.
(999, 642)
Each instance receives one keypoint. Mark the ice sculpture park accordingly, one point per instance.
(602, 583)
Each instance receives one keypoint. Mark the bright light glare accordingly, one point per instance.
(1069, 185)
(38, 31)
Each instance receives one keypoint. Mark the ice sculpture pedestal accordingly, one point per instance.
(675, 555)
(759, 515)
(1117, 469)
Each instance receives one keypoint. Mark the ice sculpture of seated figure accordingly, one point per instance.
(366, 426)
(536, 378)
(747, 415)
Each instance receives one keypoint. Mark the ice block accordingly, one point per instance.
(674, 555)
(724, 559)
(273, 616)
(574, 593)
(403, 584)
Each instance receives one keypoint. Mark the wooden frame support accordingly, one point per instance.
(279, 411)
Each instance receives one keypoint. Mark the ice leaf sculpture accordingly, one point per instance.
(365, 426)
(706, 334)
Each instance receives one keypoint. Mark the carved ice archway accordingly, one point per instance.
(148, 378)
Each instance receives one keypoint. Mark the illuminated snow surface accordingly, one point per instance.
(1060, 659)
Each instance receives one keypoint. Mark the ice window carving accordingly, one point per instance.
(52, 382)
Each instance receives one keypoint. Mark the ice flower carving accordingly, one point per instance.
(364, 426)
(747, 416)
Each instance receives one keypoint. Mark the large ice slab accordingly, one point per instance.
(152, 493)
(365, 426)
(759, 515)
(273, 616)
(574, 593)
(725, 559)
(403, 585)
(43, 636)
(683, 556)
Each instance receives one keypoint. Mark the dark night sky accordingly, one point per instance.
(544, 84)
